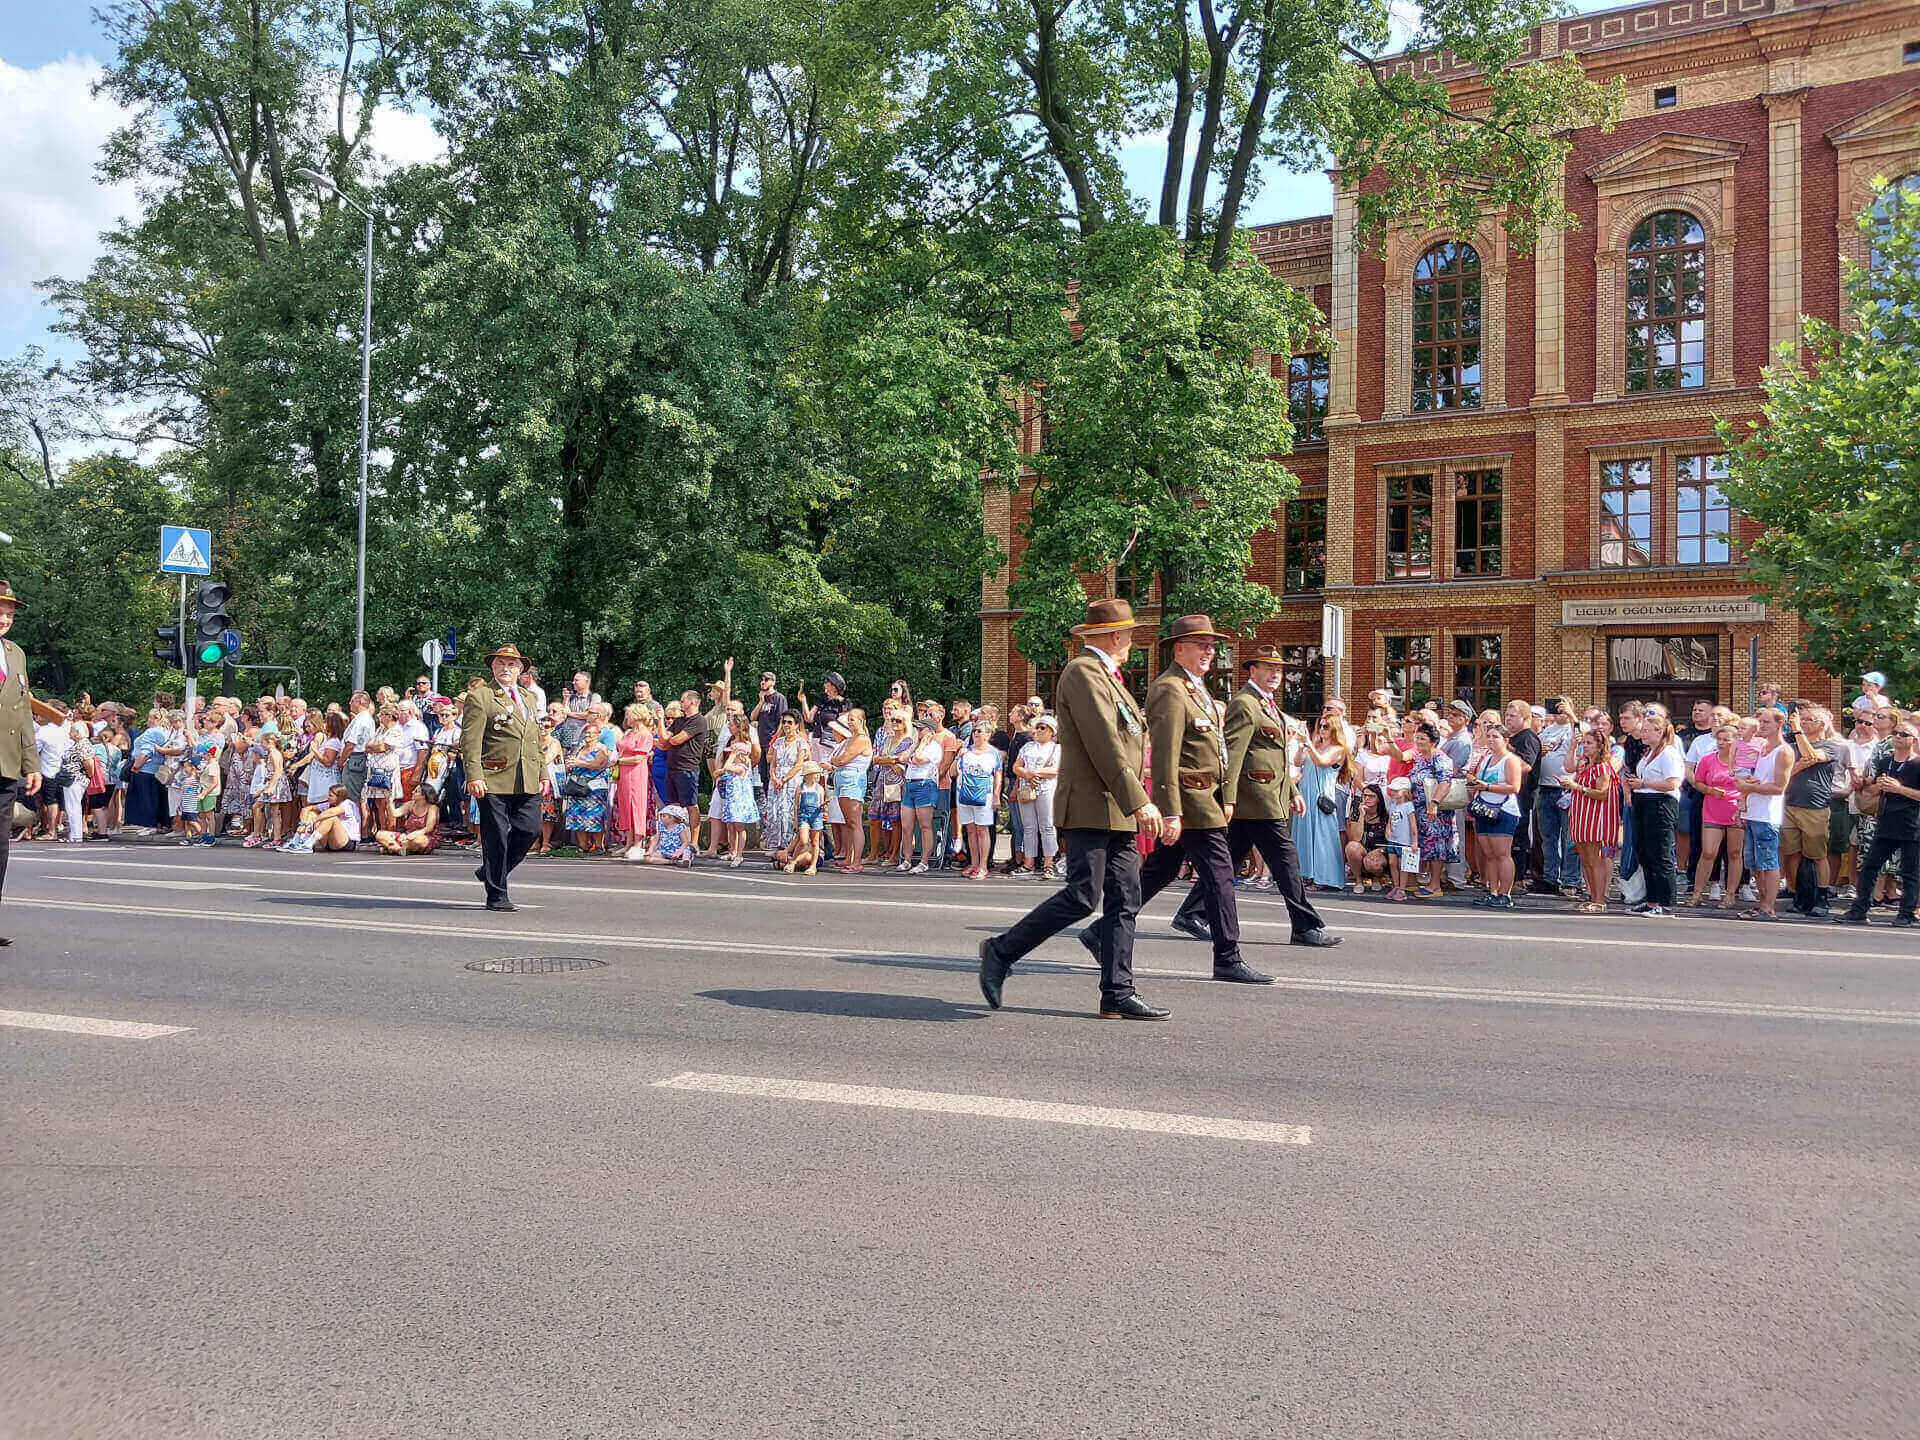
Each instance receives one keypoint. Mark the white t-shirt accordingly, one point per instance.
(360, 730)
(1400, 824)
(1036, 756)
(1702, 746)
(929, 769)
(413, 740)
(1878, 702)
(388, 761)
(51, 741)
(1769, 770)
(1668, 764)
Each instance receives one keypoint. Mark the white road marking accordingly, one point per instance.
(163, 884)
(934, 1102)
(1585, 939)
(1577, 999)
(282, 891)
(83, 1025)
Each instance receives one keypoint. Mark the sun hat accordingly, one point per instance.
(1048, 721)
(841, 728)
(1872, 677)
(1400, 782)
(507, 652)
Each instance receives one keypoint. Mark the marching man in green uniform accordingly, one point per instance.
(1100, 807)
(1260, 798)
(19, 761)
(502, 750)
(1189, 769)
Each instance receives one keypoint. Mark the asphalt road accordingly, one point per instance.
(1535, 1175)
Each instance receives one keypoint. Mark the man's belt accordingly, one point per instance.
(1259, 777)
(1198, 780)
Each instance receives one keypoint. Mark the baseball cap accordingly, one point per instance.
(1539, 712)
(1874, 677)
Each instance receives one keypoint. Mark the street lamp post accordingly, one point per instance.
(326, 185)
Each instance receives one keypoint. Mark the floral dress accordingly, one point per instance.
(777, 823)
(236, 794)
(586, 813)
(733, 798)
(1429, 777)
(887, 812)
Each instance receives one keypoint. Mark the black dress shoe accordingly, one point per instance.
(1091, 940)
(1241, 973)
(501, 905)
(1131, 1007)
(993, 974)
(1187, 925)
(1319, 939)
(4, 942)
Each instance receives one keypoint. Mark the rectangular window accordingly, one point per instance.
(1046, 678)
(1132, 582)
(1476, 670)
(1665, 97)
(1410, 670)
(1303, 680)
(1307, 397)
(1306, 541)
(1476, 522)
(1703, 518)
(1409, 527)
(1626, 514)
(1910, 52)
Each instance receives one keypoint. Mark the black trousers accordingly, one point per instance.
(1654, 818)
(1103, 868)
(1523, 839)
(1212, 890)
(9, 792)
(509, 824)
(1274, 840)
(1883, 849)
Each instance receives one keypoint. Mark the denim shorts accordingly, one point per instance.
(1507, 824)
(850, 783)
(681, 787)
(920, 794)
(1763, 846)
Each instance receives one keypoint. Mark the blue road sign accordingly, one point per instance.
(184, 551)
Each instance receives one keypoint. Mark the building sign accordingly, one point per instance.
(1661, 612)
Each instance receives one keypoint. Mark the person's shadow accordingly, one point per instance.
(864, 1006)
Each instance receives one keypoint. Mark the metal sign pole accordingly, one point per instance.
(183, 652)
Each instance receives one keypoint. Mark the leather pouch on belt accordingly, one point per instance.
(1197, 780)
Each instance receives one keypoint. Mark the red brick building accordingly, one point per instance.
(1507, 461)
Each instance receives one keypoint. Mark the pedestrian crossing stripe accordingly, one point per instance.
(185, 555)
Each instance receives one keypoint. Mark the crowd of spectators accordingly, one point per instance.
(1789, 807)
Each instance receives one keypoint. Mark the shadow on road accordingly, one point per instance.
(367, 902)
(851, 1003)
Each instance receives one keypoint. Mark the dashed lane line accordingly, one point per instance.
(87, 1025)
(760, 1087)
(502, 935)
(1585, 939)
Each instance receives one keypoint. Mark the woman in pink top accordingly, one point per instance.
(1719, 811)
(635, 756)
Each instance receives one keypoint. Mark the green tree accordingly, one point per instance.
(1833, 475)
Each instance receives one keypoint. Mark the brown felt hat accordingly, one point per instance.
(1265, 653)
(507, 652)
(7, 597)
(1106, 616)
(1194, 627)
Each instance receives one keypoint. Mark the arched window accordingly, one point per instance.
(1446, 328)
(1900, 198)
(1666, 304)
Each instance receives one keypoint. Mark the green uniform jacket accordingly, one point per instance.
(1189, 756)
(18, 758)
(499, 746)
(1101, 739)
(1259, 779)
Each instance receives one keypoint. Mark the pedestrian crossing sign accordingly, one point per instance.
(184, 551)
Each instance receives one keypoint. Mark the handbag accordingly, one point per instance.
(1454, 795)
(975, 789)
(1325, 805)
(1866, 802)
(1025, 792)
(168, 772)
(1484, 813)
(574, 788)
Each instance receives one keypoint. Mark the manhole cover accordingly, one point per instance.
(536, 965)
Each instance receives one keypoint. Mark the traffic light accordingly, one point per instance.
(166, 647)
(213, 639)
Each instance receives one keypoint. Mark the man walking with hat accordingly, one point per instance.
(19, 759)
(1189, 768)
(501, 750)
(1100, 807)
(1260, 798)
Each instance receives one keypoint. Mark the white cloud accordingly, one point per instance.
(403, 137)
(52, 208)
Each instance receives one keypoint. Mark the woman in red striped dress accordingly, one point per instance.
(1595, 817)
